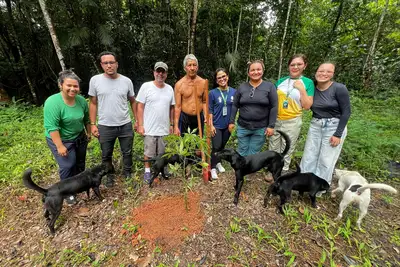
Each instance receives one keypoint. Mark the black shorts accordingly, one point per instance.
(187, 121)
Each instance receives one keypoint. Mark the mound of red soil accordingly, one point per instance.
(166, 222)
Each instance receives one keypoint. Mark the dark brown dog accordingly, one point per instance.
(54, 195)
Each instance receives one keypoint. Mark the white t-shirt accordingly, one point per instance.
(112, 99)
(157, 103)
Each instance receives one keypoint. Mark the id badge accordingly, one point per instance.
(285, 104)
(224, 111)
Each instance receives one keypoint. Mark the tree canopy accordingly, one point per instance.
(362, 37)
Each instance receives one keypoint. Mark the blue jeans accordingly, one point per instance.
(319, 156)
(107, 138)
(250, 141)
(74, 162)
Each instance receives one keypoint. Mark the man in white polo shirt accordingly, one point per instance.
(155, 114)
(111, 97)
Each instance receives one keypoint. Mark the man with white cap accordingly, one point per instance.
(155, 114)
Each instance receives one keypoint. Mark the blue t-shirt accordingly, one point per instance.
(216, 104)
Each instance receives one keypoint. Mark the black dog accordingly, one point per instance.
(54, 195)
(271, 160)
(302, 182)
(161, 161)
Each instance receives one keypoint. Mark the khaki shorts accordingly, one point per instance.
(153, 146)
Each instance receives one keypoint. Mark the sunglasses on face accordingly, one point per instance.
(160, 70)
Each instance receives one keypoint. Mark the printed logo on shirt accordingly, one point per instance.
(232, 98)
(219, 99)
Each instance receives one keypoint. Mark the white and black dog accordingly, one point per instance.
(356, 189)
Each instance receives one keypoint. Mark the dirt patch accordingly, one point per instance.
(166, 222)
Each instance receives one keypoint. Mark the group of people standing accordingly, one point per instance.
(160, 110)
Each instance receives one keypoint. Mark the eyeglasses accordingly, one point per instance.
(325, 71)
(298, 65)
(108, 62)
(252, 92)
(222, 77)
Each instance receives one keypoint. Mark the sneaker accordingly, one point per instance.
(147, 177)
(110, 181)
(71, 200)
(220, 168)
(319, 193)
(214, 175)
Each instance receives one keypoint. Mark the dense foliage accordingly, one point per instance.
(228, 33)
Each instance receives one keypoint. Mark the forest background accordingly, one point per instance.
(361, 37)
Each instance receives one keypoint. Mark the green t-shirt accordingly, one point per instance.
(68, 120)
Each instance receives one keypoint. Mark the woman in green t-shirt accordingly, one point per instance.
(66, 122)
(295, 93)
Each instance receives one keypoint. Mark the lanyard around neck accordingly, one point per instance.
(224, 97)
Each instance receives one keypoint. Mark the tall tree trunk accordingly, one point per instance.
(52, 33)
(367, 68)
(284, 37)
(238, 29)
(21, 57)
(252, 31)
(193, 21)
(334, 27)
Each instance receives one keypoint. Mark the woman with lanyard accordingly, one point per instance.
(220, 106)
(295, 93)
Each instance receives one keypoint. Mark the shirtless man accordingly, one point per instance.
(185, 98)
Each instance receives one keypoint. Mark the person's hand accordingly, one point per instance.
(171, 129)
(231, 127)
(135, 126)
(140, 130)
(62, 151)
(298, 84)
(213, 131)
(88, 137)
(177, 131)
(95, 131)
(334, 141)
(269, 131)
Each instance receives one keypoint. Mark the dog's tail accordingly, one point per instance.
(30, 184)
(287, 141)
(377, 186)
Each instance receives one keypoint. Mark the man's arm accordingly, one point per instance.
(139, 117)
(133, 103)
(178, 108)
(92, 115)
(171, 119)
